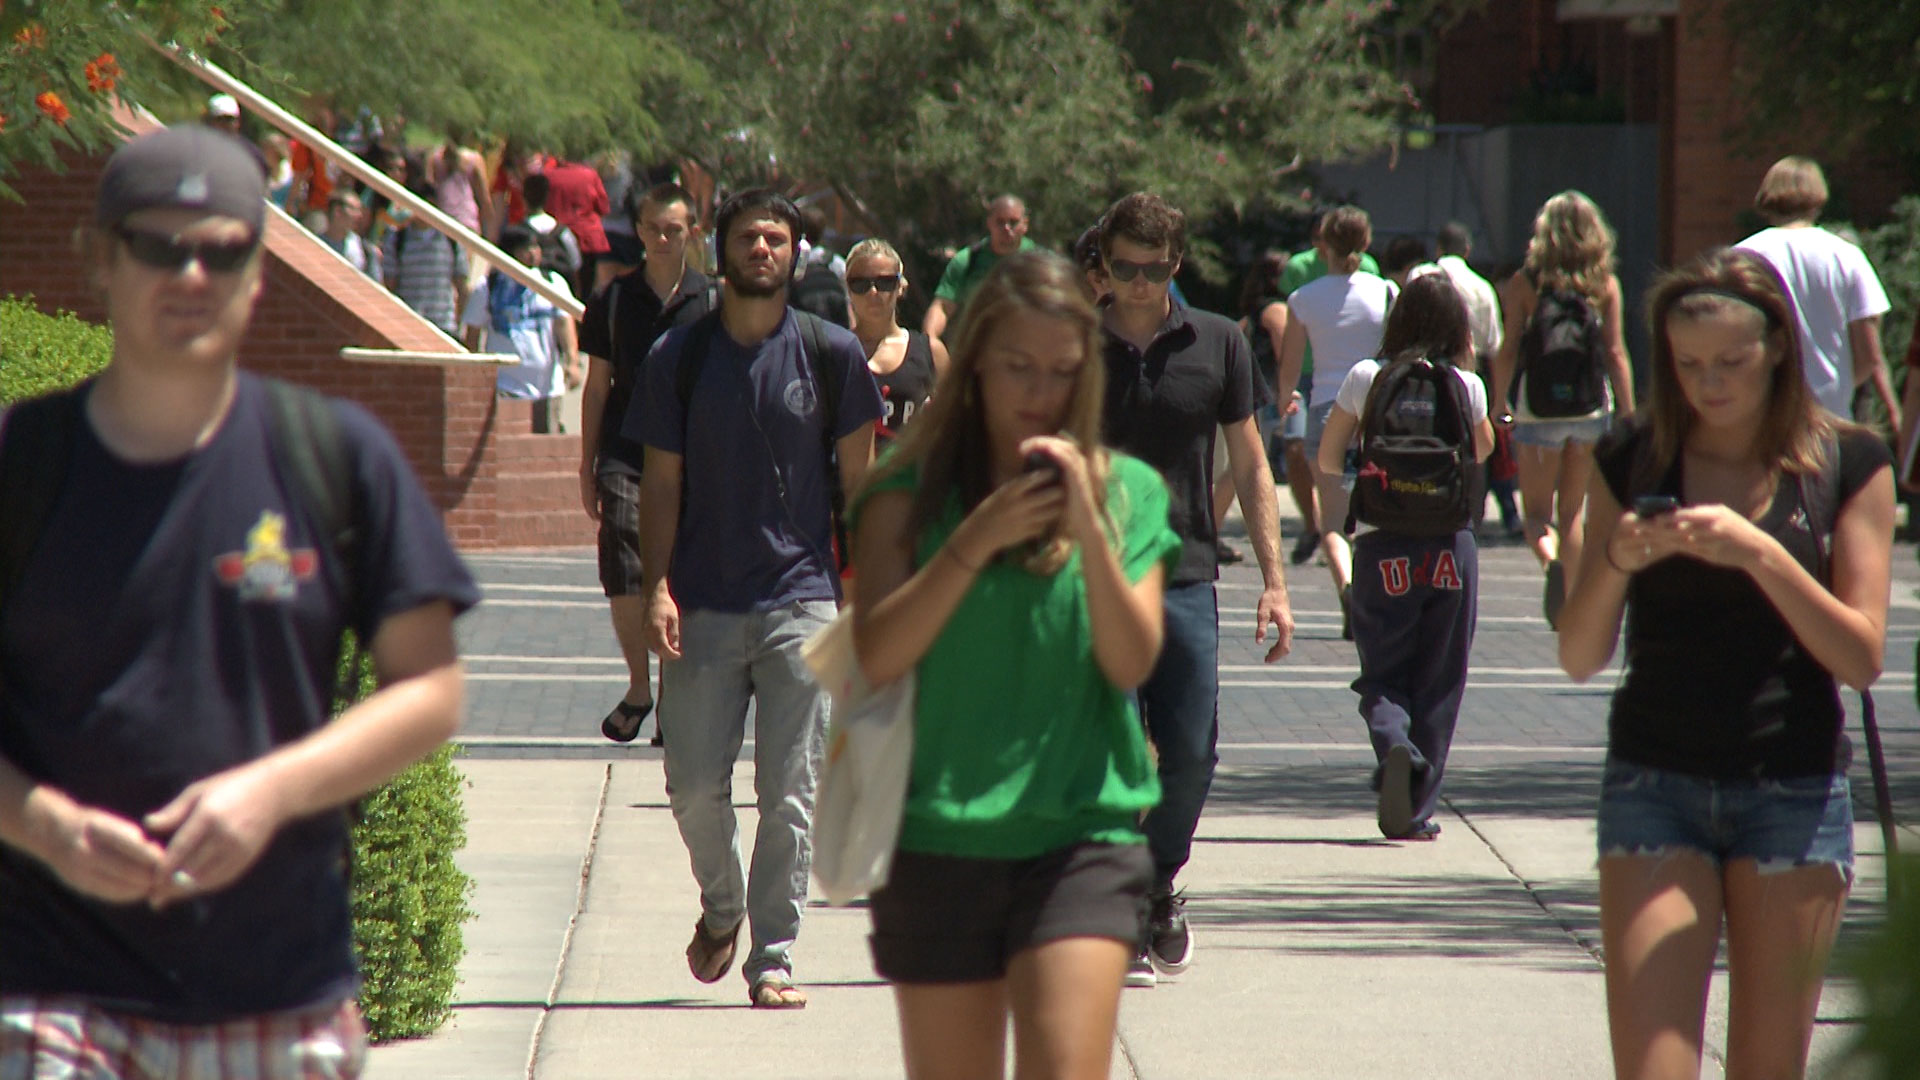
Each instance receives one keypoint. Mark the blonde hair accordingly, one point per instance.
(1572, 246)
(874, 248)
(1794, 189)
(948, 439)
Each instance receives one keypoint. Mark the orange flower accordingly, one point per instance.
(101, 73)
(32, 36)
(49, 102)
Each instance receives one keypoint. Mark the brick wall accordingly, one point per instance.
(496, 484)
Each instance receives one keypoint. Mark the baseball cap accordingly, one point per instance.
(222, 105)
(186, 167)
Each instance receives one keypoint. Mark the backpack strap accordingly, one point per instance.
(304, 432)
(1820, 502)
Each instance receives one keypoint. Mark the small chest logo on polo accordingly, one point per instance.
(266, 570)
(799, 398)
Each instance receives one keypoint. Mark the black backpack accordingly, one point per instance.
(827, 385)
(1416, 441)
(1563, 353)
(819, 291)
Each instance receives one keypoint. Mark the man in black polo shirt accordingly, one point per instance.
(619, 327)
(1174, 375)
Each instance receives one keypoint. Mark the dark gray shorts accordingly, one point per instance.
(620, 534)
(950, 919)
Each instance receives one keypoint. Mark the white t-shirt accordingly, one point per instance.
(539, 374)
(1483, 303)
(1352, 395)
(1831, 285)
(1343, 315)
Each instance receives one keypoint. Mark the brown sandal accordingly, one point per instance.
(776, 992)
(708, 956)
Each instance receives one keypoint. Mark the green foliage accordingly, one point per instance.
(409, 897)
(1845, 77)
(55, 91)
(43, 353)
(1888, 970)
(1894, 249)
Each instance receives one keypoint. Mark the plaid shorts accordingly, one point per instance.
(620, 534)
(72, 1039)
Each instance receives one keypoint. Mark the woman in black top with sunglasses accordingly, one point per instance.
(904, 362)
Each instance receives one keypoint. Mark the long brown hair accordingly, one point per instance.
(1727, 280)
(948, 440)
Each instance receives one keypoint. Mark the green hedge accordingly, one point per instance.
(409, 899)
(1888, 968)
(40, 353)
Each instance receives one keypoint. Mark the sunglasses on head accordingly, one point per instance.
(1157, 272)
(861, 286)
(163, 251)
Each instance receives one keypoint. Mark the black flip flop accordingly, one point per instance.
(616, 724)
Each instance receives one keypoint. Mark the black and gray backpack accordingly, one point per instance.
(1416, 441)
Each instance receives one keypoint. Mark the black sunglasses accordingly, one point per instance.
(1157, 272)
(167, 252)
(861, 286)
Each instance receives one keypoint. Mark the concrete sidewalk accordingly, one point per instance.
(1322, 950)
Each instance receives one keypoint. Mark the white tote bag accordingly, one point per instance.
(856, 817)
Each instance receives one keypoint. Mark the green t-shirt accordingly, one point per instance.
(1020, 744)
(1303, 267)
(968, 268)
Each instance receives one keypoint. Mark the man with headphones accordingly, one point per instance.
(745, 415)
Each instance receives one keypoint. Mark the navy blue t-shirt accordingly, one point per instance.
(174, 621)
(756, 525)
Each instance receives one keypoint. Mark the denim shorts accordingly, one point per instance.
(1553, 434)
(1781, 824)
(1317, 413)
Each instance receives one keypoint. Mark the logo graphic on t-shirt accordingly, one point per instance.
(267, 570)
(799, 398)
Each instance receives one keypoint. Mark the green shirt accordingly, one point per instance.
(968, 268)
(1303, 267)
(1020, 744)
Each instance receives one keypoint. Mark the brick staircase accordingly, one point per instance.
(537, 497)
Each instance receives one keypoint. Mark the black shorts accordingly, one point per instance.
(620, 534)
(949, 919)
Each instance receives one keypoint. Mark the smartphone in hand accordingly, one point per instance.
(1652, 506)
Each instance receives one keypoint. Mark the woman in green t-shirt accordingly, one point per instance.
(1019, 576)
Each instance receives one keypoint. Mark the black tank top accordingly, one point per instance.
(905, 389)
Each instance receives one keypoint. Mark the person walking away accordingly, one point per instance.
(173, 843)
(1175, 376)
(1455, 245)
(1007, 225)
(425, 268)
(746, 416)
(577, 198)
(1339, 316)
(617, 331)
(1264, 318)
(1561, 377)
(1744, 533)
(1837, 298)
(1019, 885)
(905, 363)
(1421, 424)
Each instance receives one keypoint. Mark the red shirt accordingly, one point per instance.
(576, 198)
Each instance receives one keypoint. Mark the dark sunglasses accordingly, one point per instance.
(1157, 272)
(166, 252)
(861, 286)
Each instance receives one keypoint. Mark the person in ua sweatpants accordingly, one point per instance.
(1414, 597)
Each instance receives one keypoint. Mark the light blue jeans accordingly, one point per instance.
(726, 660)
